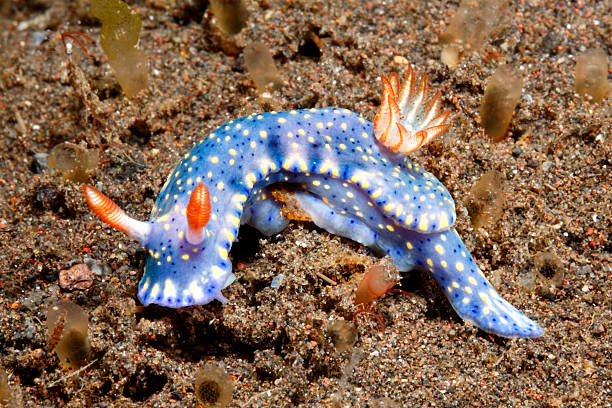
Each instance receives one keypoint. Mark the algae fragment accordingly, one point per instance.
(230, 15)
(501, 97)
(486, 199)
(73, 162)
(67, 326)
(591, 76)
(119, 39)
(261, 66)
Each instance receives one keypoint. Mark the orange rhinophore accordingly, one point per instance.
(198, 214)
(110, 213)
(408, 117)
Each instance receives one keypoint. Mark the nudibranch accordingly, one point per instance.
(351, 176)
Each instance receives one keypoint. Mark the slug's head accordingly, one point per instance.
(184, 265)
(408, 117)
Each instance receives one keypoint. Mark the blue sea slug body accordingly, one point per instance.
(351, 176)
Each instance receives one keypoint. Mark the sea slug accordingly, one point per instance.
(350, 175)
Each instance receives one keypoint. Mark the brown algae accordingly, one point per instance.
(73, 162)
(119, 40)
(261, 67)
(5, 392)
(230, 15)
(486, 199)
(474, 22)
(501, 96)
(591, 76)
(67, 326)
(343, 334)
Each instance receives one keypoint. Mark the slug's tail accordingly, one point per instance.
(472, 296)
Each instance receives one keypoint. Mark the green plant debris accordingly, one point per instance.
(119, 40)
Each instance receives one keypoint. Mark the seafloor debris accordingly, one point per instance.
(119, 40)
(67, 326)
(591, 77)
(77, 277)
(486, 199)
(473, 23)
(73, 162)
(549, 268)
(261, 67)
(501, 97)
(343, 334)
(5, 392)
(213, 386)
(230, 15)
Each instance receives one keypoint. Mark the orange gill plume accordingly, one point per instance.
(408, 118)
(110, 213)
(198, 214)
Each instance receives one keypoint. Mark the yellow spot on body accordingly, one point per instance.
(342, 146)
(154, 290)
(430, 263)
(423, 224)
(343, 126)
(238, 126)
(485, 298)
(194, 158)
(455, 285)
(349, 194)
(253, 144)
(439, 249)
(168, 258)
(263, 134)
(320, 125)
(214, 159)
(316, 182)
(311, 139)
(409, 245)
(245, 132)
(223, 253)
(281, 120)
(232, 152)
(444, 264)
(459, 266)
(181, 234)
(390, 228)
(376, 194)
(220, 185)
(306, 116)
(486, 310)
(468, 289)
(166, 227)
(466, 300)
(301, 132)
(472, 280)
(185, 257)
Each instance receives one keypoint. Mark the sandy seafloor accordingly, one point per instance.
(556, 161)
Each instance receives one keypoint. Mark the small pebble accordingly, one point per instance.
(77, 277)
